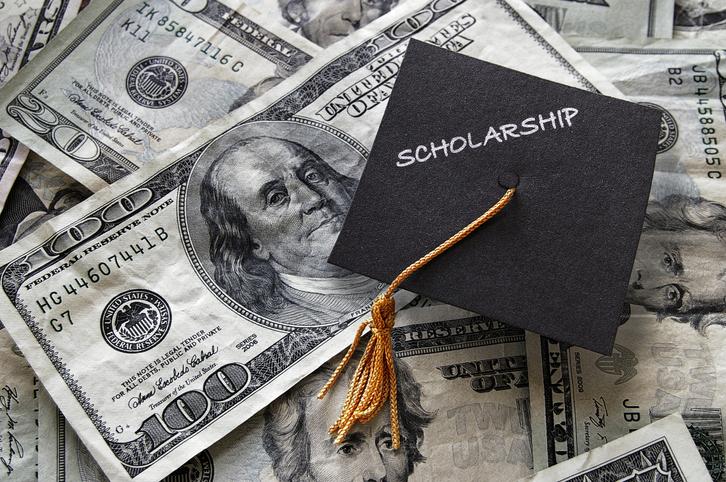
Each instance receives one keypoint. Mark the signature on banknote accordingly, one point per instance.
(8, 400)
(9, 51)
(601, 412)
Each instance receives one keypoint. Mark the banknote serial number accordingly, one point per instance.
(95, 274)
(148, 14)
(709, 142)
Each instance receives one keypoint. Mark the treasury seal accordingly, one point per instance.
(199, 469)
(156, 82)
(135, 321)
(668, 128)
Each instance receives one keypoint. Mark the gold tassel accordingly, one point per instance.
(374, 380)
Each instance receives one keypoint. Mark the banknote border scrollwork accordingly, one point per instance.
(547, 373)
(659, 445)
(61, 448)
(108, 154)
(53, 355)
(547, 46)
(103, 165)
(111, 165)
(642, 51)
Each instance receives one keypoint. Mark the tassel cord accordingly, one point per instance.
(374, 380)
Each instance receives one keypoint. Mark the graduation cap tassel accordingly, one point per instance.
(374, 380)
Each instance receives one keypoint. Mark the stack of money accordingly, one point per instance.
(174, 174)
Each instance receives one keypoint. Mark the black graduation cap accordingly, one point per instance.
(457, 132)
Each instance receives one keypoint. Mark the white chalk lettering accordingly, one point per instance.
(492, 134)
(443, 148)
(405, 155)
(543, 121)
(418, 157)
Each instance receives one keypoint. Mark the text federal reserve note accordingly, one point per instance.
(608, 19)
(134, 78)
(463, 384)
(173, 305)
(661, 451)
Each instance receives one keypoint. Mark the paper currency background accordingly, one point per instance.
(149, 89)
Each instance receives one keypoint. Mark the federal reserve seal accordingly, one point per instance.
(135, 321)
(156, 82)
(668, 128)
(199, 469)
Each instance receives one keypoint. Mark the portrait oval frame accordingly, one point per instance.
(317, 138)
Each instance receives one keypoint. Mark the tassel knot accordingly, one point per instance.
(383, 314)
(374, 380)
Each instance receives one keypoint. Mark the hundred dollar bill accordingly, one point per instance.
(135, 77)
(463, 391)
(663, 450)
(18, 414)
(25, 28)
(173, 305)
(608, 18)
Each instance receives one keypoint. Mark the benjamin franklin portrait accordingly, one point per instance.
(271, 198)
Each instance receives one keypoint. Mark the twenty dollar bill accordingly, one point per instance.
(133, 78)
